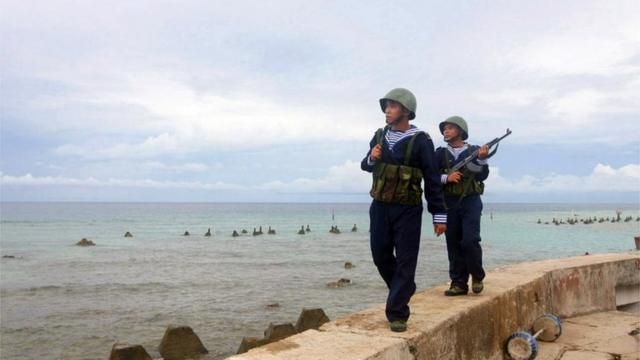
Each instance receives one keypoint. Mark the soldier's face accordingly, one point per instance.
(394, 111)
(451, 132)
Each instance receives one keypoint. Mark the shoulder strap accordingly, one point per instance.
(407, 154)
(380, 133)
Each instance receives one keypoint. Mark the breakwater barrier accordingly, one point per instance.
(473, 326)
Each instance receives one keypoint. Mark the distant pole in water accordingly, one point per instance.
(333, 215)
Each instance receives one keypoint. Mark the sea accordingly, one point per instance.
(62, 301)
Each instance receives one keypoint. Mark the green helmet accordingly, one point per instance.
(459, 122)
(404, 97)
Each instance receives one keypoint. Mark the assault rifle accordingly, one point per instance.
(474, 154)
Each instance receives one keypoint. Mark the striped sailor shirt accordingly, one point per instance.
(393, 136)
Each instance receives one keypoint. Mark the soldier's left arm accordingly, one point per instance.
(432, 184)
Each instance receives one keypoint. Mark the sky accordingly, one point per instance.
(277, 101)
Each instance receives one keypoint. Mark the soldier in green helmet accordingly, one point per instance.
(401, 157)
(462, 191)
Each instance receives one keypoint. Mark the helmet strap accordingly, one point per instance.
(455, 140)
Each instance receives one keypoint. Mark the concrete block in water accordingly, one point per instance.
(277, 332)
(311, 319)
(121, 351)
(85, 242)
(339, 284)
(180, 342)
(249, 343)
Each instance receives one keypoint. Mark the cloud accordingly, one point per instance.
(576, 53)
(345, 178)
(187, 167)
(603, 178)
(597, 40)
(193, 121)
(517, 97)
(348, 178)
(30, 180)
(253, 82)
(150, 147)
(568, 116)
(580, 107)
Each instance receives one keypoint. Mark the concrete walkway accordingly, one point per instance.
(601, 336)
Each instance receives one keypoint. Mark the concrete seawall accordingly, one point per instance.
(473, 326)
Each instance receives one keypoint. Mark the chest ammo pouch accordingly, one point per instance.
(466, 186)
(398, 184)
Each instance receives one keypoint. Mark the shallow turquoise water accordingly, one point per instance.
(63, 301)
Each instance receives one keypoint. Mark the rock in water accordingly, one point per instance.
(180, 342)
(339, 284)
(349, 265)
(334, 230)
(186, 233)
(354, 228)
(128, 234)
(311, 319)
(121, 351)
(249, 343)
(273, 333)
(208, 233)
(301, 231)
(235, 233)
(85, 242)
(277, 332)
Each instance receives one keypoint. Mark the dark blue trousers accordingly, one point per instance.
(396, 227)
(463, 239)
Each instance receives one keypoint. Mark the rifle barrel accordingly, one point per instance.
(474, 154)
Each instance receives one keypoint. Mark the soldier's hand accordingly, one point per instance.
(376, 152)
(439, 229)
(483, 152)
(454, 177)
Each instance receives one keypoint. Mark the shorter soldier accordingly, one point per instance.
(462, 191)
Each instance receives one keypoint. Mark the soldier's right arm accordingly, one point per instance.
(366, 164)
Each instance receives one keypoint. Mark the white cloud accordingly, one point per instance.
(580, 106)
(603, 178)
(516, 97)
(597, 40)
(152, 146)
(196, 120)
(186, 167)
(347, 177)
(577, 53)
(30, 180)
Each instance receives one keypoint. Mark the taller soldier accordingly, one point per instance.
(401, 157)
